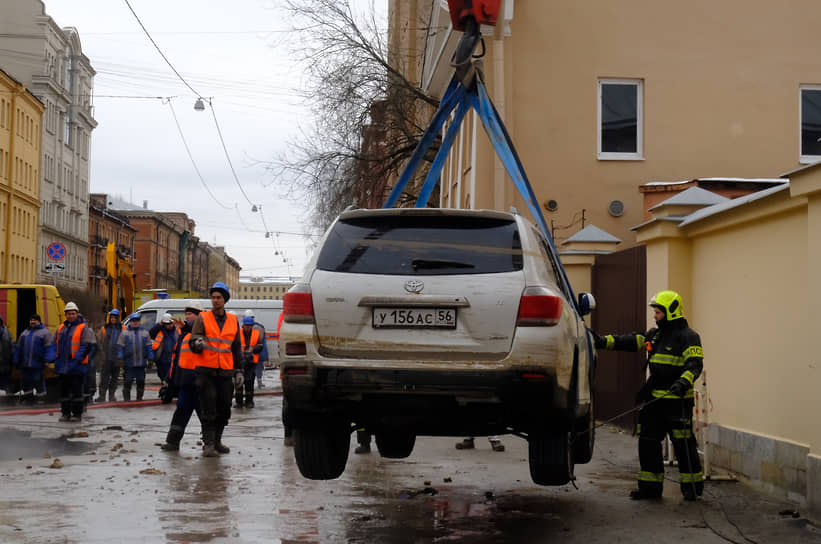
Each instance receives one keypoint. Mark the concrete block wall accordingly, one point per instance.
(779, 466)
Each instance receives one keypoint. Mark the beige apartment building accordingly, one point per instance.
(21, 115)
(601, 97)
(49, 60)
(263, 288)
(604, 99)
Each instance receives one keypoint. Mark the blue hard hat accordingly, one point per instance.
(221, 287)
(135, 316)
(115, 311)
(247, 320)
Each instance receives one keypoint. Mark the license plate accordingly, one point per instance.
(414, 318)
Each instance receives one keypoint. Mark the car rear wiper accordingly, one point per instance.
(437, 263)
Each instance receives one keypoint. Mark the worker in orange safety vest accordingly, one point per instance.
(76, 344)
(215, 338)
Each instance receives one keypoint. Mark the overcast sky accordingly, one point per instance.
(235, 53)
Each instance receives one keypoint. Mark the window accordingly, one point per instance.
(810, 111)
(620, 119)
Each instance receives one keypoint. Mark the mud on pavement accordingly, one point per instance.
(116, 485)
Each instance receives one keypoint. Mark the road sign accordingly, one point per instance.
(56, 251)
(55, 267)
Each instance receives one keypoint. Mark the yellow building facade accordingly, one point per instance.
(21, 115)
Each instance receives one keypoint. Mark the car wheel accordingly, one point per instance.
(550, 458)
(395, 444)
(585, 437)
(321, 452)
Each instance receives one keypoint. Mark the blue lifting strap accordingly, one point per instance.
(463, 98)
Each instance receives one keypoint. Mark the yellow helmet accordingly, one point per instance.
(670, 303)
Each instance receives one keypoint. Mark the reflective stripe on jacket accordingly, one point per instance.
(217, 352)
(76, 340)
(253, 342)
(673, 352)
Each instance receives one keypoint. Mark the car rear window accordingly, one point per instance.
(422, 246)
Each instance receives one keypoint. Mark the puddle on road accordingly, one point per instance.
(15, 444)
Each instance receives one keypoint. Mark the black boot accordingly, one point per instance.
(249, 400)
(172, 440)
(218, 445)
(240, 403)
(140, 390)
(127, 393)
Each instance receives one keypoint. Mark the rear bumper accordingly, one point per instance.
(431, 402)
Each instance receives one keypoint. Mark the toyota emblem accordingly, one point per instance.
(414, 286)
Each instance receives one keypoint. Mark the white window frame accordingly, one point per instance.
(804, 159)
(610, 156)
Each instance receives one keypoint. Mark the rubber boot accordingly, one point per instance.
(172, 440)
(127, 393)
(140, 390)
(466, 444)
(209, 437)
(111, 396)
(249, 400)
(218, 445)
(240, 403)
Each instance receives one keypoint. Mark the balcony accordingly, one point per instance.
(98, 272)
(99, 241)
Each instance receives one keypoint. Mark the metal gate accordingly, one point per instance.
(619, 285)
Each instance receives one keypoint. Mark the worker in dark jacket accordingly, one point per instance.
(253, 341)
(109, 363)
(184, 381)
(134, 348)
(76, 344)
(35, 349)
(215, 339)
(163, 345)
(675, 358)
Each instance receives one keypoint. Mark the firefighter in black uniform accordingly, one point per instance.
(676, 359)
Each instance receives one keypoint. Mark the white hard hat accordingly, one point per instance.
(166, 318)
(194, 305)
(72, 306)
(249, 312)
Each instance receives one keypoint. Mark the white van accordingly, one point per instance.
(266, 312)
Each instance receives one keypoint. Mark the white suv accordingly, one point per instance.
(436, 322)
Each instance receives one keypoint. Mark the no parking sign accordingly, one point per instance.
(56, 251)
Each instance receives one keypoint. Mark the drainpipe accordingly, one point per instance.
(9, 173)
(499, 182)
(183, 246)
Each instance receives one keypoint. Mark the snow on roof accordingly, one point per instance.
(694, 196)
(734, 203)
(592, 233)
(696, 180)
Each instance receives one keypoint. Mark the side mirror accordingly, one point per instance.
(586, 303)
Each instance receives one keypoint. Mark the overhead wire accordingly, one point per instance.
(191, 156)
(157, 47)
(200, 98)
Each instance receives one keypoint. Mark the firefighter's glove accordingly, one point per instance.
(238, 379)
(598, 341)
(197, 345)
(679, 387)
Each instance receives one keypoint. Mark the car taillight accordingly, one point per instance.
(298, 307)
(537, 309)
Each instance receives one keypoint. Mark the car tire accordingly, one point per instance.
(395, 444)
(550, 458)
(321, 452)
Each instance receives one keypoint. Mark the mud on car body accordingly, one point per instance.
(436, 322)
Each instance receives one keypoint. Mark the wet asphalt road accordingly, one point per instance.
(116, 485)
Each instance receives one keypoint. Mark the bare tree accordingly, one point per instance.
(367, 116)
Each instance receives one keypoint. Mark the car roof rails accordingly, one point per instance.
(514, 210)
(350, 207)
